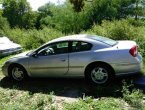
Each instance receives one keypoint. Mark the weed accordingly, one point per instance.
(133, 97)
(90, 104)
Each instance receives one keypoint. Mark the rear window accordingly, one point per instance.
(104, 40)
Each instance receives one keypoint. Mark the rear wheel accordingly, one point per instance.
(99, 74)
(17, 73)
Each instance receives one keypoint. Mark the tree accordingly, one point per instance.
(16, 11)
(64, 19)
(30, 20)
(46, 10)
(3, 23)
(138, 8)
(77, 5)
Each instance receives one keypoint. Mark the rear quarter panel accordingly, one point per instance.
(120, 59)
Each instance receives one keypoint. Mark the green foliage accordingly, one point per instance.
(2, 61)
(13, 99)
(90, 104)
(134, 97)
(3, 23)
(32, 38)
(46, 10)
(77, 5)
(19, 14)
(64, 19)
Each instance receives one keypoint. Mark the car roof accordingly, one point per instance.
(79, 37)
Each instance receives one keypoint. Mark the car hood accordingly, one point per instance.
(21, 55)
(5, 46)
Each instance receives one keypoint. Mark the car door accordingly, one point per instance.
(52, 60)
(79, 57)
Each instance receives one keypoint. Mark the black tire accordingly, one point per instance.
(99, 74)
(17, 73)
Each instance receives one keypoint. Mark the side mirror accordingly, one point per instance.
(34, 55)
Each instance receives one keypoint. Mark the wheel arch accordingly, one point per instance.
(15, 64)
(98, 62)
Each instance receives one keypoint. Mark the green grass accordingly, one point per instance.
(101, 104)
(2, 61)
(14, 99)
(33, 95)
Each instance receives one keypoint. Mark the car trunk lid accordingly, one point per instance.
(131, 46)
(126, 44)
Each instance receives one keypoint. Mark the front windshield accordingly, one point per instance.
(104, 40)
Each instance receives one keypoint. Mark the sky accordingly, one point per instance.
(35, 4)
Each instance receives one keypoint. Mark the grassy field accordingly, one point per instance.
(2, 61)
(68, 94)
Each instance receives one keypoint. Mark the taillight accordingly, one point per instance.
(133, 51)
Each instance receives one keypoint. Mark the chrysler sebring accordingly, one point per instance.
(96, 58)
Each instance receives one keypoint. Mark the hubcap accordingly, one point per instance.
(99, 75)
(17, 73)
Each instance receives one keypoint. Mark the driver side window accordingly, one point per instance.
(53, 49)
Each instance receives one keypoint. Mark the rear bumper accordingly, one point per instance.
(129, 68)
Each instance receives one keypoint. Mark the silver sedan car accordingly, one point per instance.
(8, 47)
(96, 58)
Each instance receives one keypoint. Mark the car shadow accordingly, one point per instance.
(67, 87)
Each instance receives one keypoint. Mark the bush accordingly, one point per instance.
(90, 104)
(3, 25)
(32, 38)
(134, 97)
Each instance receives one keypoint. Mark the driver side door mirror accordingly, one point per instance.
(35, 55)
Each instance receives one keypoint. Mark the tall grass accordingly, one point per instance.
(2, 61)
(14, 99)
(32, 38)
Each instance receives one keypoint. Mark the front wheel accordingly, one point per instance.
(99, 74)
(17, 73)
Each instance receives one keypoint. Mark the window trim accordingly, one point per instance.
(71, 42)
(52, 44)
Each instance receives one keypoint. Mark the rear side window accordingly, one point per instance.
(78, 46)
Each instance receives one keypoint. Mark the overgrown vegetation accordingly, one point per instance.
(116, 19)
(90, 104)
(32, 38)
(32, 95)
(134, 97)
(24, 100)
